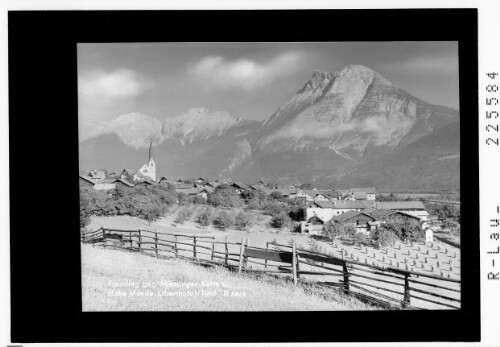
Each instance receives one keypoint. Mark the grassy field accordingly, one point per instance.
(118, 280)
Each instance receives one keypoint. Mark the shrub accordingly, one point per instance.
(224, 196)
(224, 220)
(84, 210)
(280, 220)
(332, 230)
(206, 217)
(242, 221)
(182, 216)
(383, 236)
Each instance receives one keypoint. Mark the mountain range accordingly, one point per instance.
(346, 128)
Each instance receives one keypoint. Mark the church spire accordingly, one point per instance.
(150, 150)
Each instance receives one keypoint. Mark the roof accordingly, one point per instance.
(128, 184)
(400, 205)
(285, 191)
(349, 204)
(184, 186)
(261, 188)
(323, 204)
(384, 214)
(239, 185)
(105, 181)
(370, 190)
(192, 191)
(129, 171)
(87, 179)
(359, 195)
(349, 214)
(315, 219)
(332, 194)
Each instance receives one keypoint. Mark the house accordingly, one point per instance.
(97, 175)
(131, 175)
(363, 222)
(104, 184)
(333, 195)
(321, 197)
(415, 208)
(362, 193)
(287, 192)
(182, 188)
(313, 226)
(167, 180)
(239, 187)
(262, 188)
(86, 181)
(321, 209)
(122, 183)
(145, 182)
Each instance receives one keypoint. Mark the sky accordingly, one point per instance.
(248, 80)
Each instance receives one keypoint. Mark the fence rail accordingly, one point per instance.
(384, 286)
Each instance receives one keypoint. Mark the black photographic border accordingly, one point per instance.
(44, 203)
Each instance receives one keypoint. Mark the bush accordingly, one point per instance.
(224, 220)
(383, 236)
(280, 220)
(84, 210)
(333, 230)
(224, 196)
(182, 216)
(206, 217)
(242, 221)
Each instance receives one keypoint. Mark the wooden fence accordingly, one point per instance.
(384, 286)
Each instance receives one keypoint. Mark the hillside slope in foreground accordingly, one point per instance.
(117, 280)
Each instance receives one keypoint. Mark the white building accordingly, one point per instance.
(149, 169)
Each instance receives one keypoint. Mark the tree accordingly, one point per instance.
(383, 236)
(224, 220)
(280, 220)
(242, 221)
(84, 210)
(224, 196)
(359, 238)
(332, 230)
(307, 186)
(182, 216)
(151, 213)
(206, 217)
(276, 195)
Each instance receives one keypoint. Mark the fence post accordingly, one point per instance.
(194, 248)
(175, 247)
(240, 262)
(213, 249)
(346, 277)
(140, 240)
(130, 235)
(294, 264)
(245, 259)
(265, 261)
(406, 297)
(156, 244)
(227, 251)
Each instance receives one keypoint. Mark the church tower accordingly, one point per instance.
(149, 169)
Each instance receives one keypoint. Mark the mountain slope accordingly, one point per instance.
(348, 127)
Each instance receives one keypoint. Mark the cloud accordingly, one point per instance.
(99, 85)
(427, 64)
(382, 130)
(246, 74)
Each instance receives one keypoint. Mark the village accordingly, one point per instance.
(355, 208)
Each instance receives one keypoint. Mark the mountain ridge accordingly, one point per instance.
(336, 123)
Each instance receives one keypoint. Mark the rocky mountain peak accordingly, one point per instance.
(134, 129)
(318, 80)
